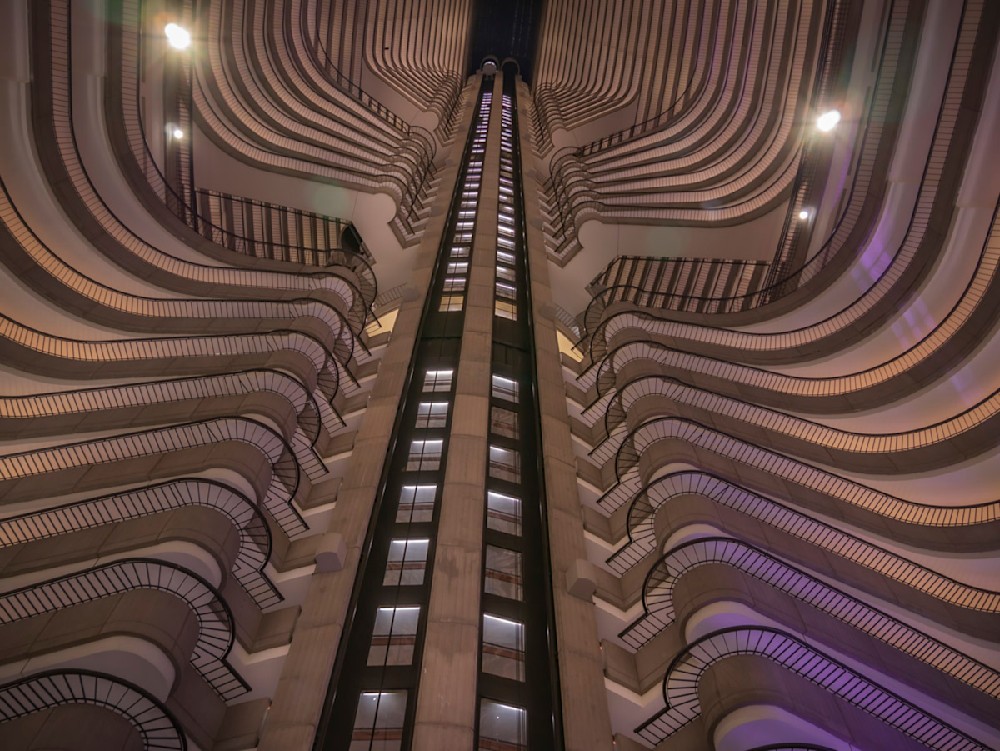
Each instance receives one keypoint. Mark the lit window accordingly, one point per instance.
(378, 723)
(505, 309)
(507, 291)
(451, 303)
(503, 647)
(505, 464)
(503, 422)
(503, 573)
(394, 636)
(503, 513)
(454, 283)
(505, 257)
(431, 415)
(437, 381)
(416, 504)
(504, 388)
(506, 273)
(459, 251)
(501, 727)
(424, 455)
(458, 267)
(407, 563)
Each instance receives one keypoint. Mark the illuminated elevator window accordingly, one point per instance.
(437, 381)
(394, 636)
(504, 309)
(416, 504)
(503, 513)
(501, 727)
(431, 415)
(503, 647)
(424, 455)
(505, 464)
(407, 563)
(451, 303)
(506, 291)
(503, 422)
(378, 724)
(504, 388)
(503, 573)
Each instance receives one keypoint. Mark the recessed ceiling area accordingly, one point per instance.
(505, 29)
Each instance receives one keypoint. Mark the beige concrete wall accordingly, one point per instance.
(447, 699)
(586, 723)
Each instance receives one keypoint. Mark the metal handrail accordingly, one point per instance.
(901, 268)
(102, 214)
(646, 499)
(680, 686)
(244, 514)
(962, 430)
(659, 611)
(411, 187)
(283, 485)
(216, 630)
(156, 725)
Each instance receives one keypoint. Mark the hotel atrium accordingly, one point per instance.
(540, 375)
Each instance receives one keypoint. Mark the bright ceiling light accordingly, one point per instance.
(804, 214)
(828, 120)
(177, 36)
(177, 133)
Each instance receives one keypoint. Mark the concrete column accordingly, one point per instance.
(447, 695)
(585, 717)
(302, 689)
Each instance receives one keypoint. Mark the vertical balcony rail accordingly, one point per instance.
(939, 163)
(680, 686)
(156, 725)
(215, 621)
(282, 488)
(659, 612)
(57, 74)
(254, 533)
(717, 286)
(645, 501)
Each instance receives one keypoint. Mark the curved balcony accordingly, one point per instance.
(216, 631)
(244, 515)
(680, 686)
(57, 690)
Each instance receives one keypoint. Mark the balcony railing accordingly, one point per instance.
(215, 621)
(680, 686)
(54, 689)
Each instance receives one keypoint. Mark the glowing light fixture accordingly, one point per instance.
(177, 36)
(177, 133)
(804, 214)
(828, 120)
